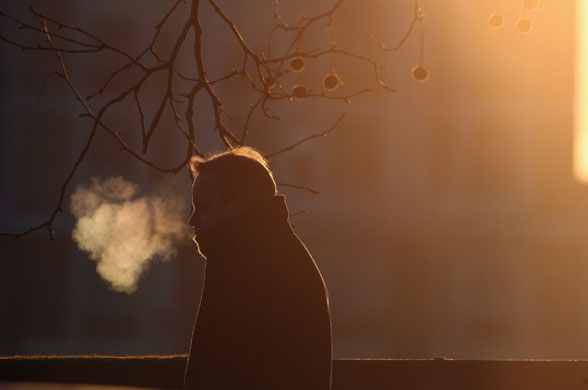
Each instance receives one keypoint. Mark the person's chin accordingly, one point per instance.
(196, 236)
(195, 239)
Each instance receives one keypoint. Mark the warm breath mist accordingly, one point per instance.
(125, 232)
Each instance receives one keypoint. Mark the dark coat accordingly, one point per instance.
(263, 320)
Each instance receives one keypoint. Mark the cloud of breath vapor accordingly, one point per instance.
(124, 232)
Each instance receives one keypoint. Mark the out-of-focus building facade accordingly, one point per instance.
(449, 222)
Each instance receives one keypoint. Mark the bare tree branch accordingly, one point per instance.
(252, 108)
(295, 213)
(266, 76)
(305, 139)
(418, 17)
(299, 187)
(168, 90)
(59, 208)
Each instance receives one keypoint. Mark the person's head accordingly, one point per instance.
(227, 184)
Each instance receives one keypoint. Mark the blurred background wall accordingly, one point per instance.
(449, 221)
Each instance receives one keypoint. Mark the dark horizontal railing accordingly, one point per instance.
(359, 374)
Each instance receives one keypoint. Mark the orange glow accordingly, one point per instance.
(581, 94)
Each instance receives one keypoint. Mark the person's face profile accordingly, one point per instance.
(205, 201)
(209, 207)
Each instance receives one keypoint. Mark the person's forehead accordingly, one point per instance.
(204, 188)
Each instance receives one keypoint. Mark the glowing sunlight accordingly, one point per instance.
(581, 94)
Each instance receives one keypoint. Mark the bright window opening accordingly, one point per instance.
(581, 94)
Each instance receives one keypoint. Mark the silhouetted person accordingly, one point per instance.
(263, 320)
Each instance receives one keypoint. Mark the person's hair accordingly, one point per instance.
(242, 173)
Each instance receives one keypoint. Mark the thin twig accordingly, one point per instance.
(252, 108)
(305, 139)
(299, 187)
(418, 16)
(295, 213)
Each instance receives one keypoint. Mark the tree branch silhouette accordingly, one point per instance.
(269, 156)
(265, 76)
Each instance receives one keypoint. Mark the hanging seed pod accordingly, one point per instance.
(297, 64)
(269, 81)
(531, 5)
(420, 73)
(496, 21)
(299, 91)
(331, 81)
(524, 25)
